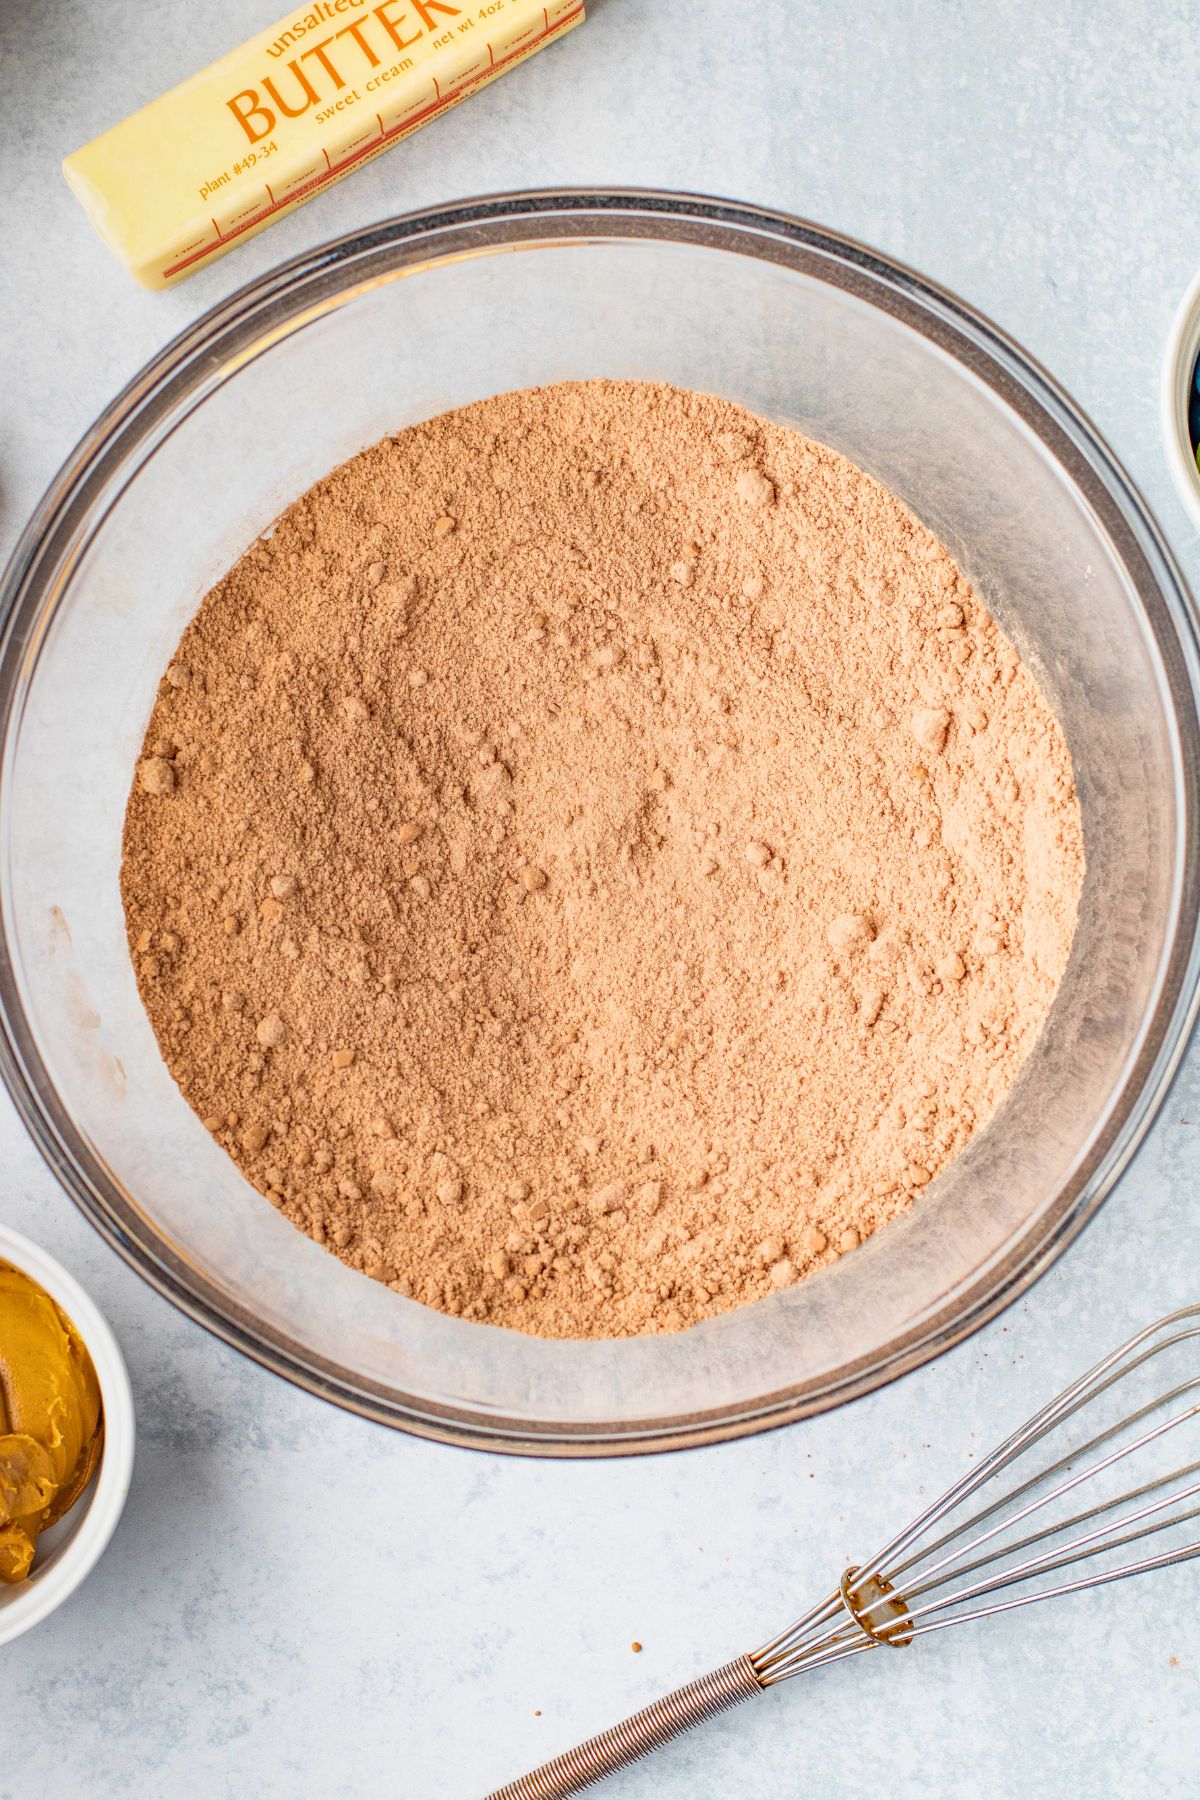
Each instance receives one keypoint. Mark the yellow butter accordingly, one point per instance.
(307, 101)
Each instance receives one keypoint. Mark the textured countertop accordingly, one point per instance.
(298, 1603)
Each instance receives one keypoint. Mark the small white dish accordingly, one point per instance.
(68, 1552)
(1178, 372)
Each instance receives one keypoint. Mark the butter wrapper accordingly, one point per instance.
(307, 101)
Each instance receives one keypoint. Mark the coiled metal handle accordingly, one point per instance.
(636, 1736)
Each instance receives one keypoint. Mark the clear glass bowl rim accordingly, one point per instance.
(90, 481)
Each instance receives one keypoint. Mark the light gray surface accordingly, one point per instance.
(298, 1603)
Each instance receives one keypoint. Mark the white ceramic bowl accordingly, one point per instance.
(69, 1552)
(1178, 369)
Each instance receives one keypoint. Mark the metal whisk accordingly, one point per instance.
(1100, 1470)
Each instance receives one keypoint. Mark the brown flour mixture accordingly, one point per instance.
(598, 860)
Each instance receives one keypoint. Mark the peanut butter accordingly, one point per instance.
(51, 1427)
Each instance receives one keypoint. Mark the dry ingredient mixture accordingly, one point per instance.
(596, 860)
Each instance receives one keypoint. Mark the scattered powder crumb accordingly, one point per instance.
(157, 775)
(597, 861)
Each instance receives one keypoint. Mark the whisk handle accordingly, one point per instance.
(636, 1736)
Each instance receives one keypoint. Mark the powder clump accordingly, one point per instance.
(603, 860)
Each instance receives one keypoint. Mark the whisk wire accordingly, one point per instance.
(1084, 1584)
(1089, 1473)
(1065, 1461)
(1086, 1388)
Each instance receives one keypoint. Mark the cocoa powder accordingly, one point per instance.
(596, 860)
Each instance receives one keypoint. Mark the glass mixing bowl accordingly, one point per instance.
(368, 334)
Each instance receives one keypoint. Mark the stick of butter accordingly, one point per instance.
(304, 103)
